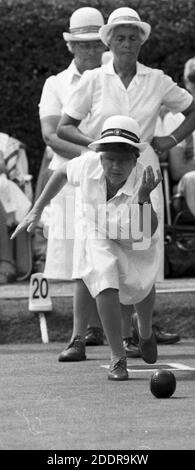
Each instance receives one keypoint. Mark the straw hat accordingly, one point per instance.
(84, 25)
(120, 129)
(122, 16)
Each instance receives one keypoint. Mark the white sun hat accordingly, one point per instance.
(122, 16)
(84, 25)
(120, 129)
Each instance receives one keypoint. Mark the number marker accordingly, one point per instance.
(40, 301)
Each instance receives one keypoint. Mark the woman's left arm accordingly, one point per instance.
(162, 144)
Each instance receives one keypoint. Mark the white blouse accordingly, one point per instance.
(101, 93)
(54, 97)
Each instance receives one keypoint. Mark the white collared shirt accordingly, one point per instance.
(56, 91)
(54, 97)
(87, 173)
(101, 93)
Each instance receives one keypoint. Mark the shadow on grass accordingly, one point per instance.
(180, 398)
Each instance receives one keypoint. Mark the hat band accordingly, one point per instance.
(121, 133)
(85, 29)
(125, 18)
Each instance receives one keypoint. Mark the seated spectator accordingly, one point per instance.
(15, 199)
(182, 156)
(16, 163)
(7, 264)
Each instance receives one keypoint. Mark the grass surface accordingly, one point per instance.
(174, 311)
(45, 404)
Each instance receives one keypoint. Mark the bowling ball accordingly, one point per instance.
(163, 383)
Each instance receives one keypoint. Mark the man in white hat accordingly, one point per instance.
(116, 265)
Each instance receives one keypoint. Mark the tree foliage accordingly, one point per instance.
(32, 48)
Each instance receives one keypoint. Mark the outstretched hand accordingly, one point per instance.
(29, 222)
(149, 183)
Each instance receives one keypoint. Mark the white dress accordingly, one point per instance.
(112, 253)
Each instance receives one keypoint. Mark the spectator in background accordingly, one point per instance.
(181, 158)
(7, 264)
(16, 163)
(14, 203)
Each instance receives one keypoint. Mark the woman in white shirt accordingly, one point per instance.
(125, 86)
(84, 43)
(117, 194)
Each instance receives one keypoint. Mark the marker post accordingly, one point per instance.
(40, 301)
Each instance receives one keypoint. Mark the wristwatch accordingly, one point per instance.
(145, 202)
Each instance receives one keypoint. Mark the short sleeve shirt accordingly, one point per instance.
(100, 94)
(87, 172)
(54, 97)
(56, 91)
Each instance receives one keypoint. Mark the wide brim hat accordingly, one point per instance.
(120, 129)
(85, 24)
(124, 16)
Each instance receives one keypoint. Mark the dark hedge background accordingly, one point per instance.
(32, 48)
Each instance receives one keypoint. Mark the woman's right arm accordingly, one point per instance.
(68, 130)
(63, 148)
(50, 111)
(78, 108)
